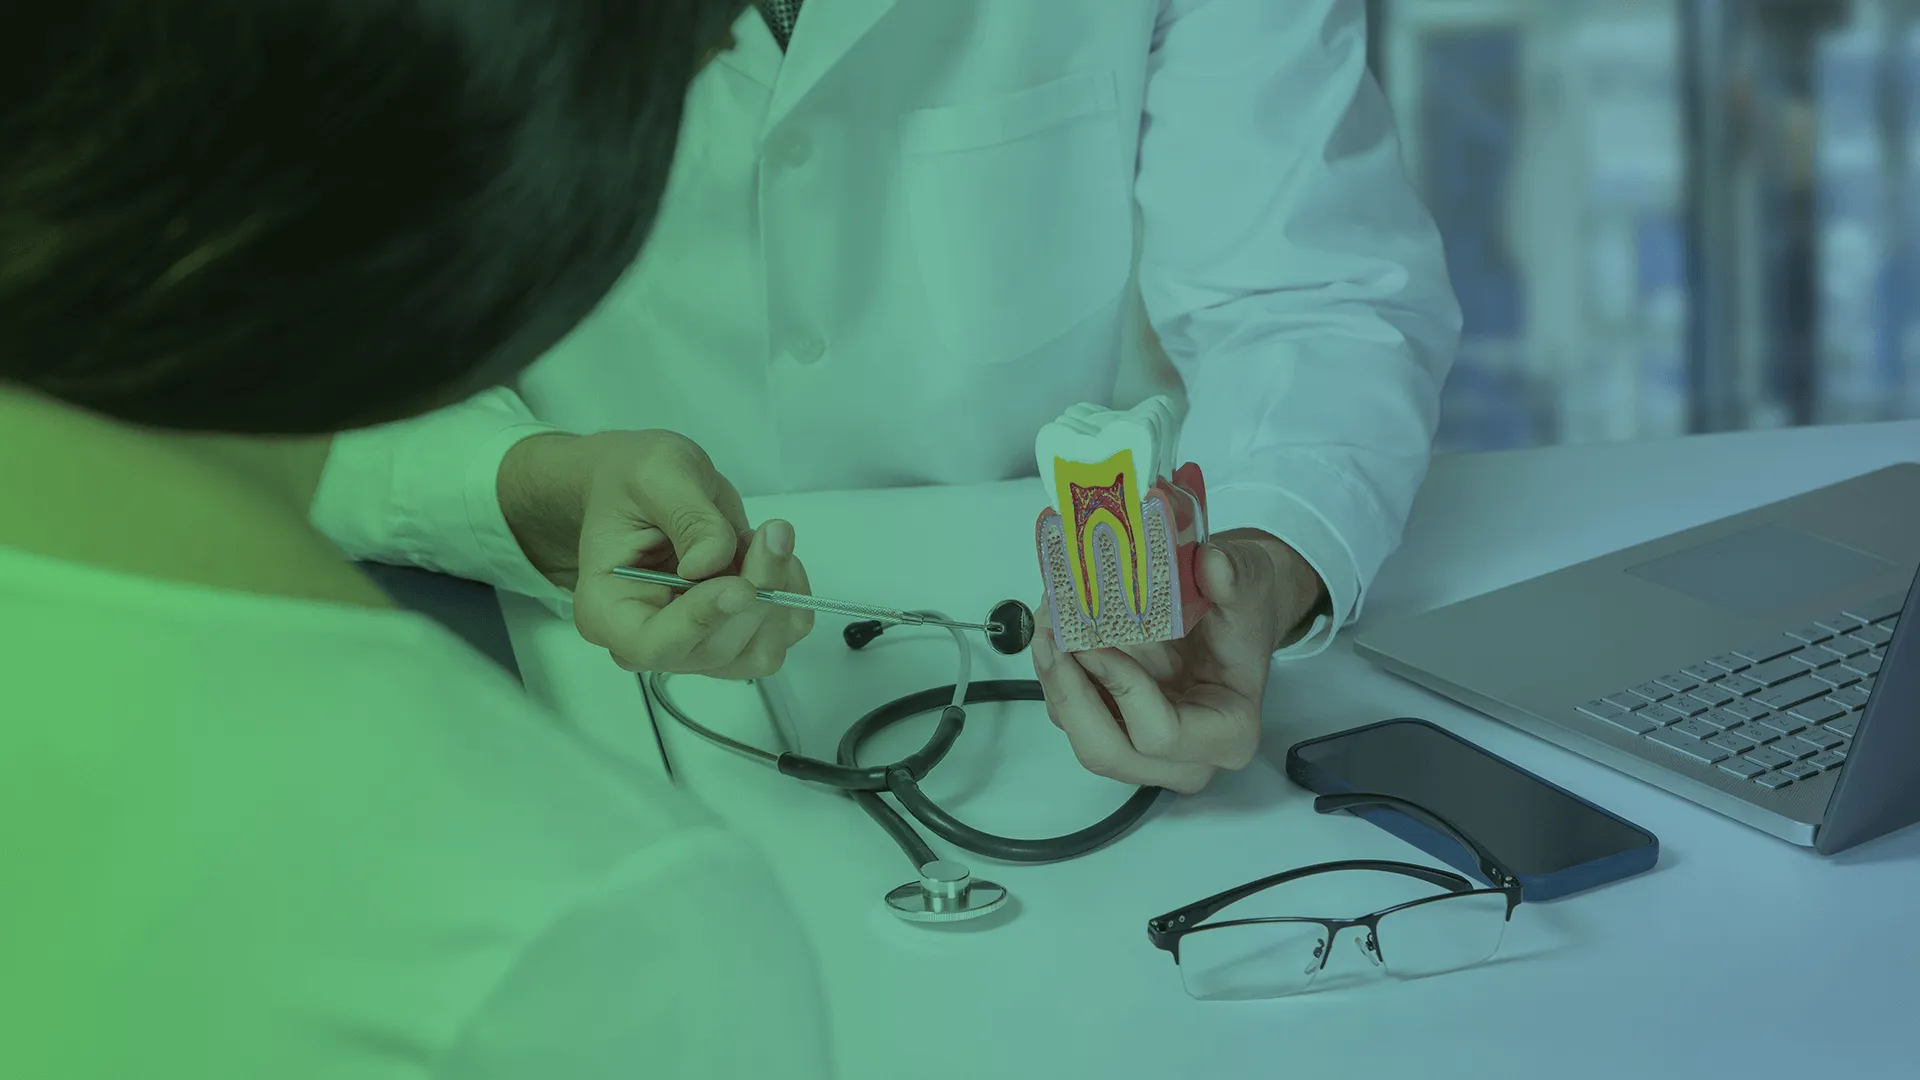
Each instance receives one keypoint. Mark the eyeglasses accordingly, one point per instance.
(1275, 957)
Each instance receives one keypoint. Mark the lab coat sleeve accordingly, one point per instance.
(424, 492)
(658, 973)
(1295, 279)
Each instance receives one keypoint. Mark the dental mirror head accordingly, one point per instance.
(1015, 627)
(946, 892)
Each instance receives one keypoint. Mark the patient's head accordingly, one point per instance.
(293, 217)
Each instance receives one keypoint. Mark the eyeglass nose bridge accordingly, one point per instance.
(1368, 943)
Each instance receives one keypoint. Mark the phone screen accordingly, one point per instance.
(1532, 827)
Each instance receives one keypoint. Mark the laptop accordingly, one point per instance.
(1765, 666)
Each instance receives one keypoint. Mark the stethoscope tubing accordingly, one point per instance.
(903, 784)
(866, 784)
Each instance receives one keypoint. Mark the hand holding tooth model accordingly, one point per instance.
(1161, 632)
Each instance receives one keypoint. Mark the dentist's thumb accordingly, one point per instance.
(704, 539)
(1234, 572)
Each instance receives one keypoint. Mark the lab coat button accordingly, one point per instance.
(793, 151)
(807, 350)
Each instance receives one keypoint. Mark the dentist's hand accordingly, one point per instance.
(1171, 714)
(582, 505)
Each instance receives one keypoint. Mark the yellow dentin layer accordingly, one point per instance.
(1109, 491)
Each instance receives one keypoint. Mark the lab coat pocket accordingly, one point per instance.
(1022, 213)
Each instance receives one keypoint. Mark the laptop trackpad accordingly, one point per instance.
(1761, 570)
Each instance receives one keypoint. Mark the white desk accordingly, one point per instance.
(1739, 956)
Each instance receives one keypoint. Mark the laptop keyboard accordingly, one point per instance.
(1777, 712)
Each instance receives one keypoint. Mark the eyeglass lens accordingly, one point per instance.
(1278, 957)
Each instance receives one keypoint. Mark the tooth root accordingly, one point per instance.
(1160, 615)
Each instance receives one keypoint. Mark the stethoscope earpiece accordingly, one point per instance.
(946, 892)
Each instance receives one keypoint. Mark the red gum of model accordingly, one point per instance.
(1187, 551)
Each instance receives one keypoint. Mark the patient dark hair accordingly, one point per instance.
(296, 217)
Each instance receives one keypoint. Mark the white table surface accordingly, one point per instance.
(1738, 956)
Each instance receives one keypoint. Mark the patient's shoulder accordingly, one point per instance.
(471, 739)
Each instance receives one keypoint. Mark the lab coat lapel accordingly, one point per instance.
(828, 29)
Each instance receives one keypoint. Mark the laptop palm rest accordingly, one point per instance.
(1761, 570)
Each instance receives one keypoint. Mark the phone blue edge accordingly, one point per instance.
(1533, 887)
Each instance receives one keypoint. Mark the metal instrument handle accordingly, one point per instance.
(802, 600)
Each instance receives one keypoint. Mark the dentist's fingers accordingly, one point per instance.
(1076, 705)
(672, 640)
(677, 491)
(613, 612)
(793, 624)
(781, 627)
(1207, 726)
(765, 567)
(1151, 722)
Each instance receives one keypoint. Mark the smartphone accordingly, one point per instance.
(1555, 841)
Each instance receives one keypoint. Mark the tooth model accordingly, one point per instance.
(1117, 547)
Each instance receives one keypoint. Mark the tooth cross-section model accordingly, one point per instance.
(1117, 547)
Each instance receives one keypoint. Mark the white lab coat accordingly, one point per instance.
(888, 257)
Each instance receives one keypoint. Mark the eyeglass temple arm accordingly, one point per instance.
(1194, 913)
(1496, 871)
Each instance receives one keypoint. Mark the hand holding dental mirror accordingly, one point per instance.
(1008, 627)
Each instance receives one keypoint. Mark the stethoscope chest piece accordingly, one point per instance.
(946, 892)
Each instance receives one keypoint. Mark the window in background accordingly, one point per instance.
(1866, 81)
(1470, 99)
(1666, 216)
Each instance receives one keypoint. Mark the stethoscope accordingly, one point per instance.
(944, 890)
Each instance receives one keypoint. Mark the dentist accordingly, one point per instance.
(956, 218)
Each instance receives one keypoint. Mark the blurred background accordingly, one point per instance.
(1667, 216)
